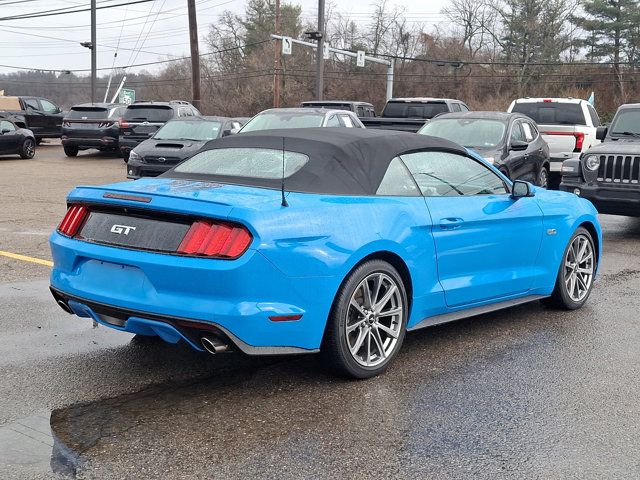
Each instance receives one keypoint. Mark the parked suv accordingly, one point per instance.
(41, 116)
(608, 174)
(92, 125)
(509, 141)
(142, 119)
(568, 125)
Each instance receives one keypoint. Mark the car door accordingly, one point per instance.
(8, 137)
(516, 161)
(535, 152)
(52, 117)
(486, 241)
(35, 120)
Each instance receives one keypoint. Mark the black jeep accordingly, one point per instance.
(608, 174)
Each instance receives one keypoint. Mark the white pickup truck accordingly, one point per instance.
(568, 125)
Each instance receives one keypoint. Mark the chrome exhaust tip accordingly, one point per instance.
(65, 307)
(213, 345)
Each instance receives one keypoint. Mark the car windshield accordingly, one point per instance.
(157, 113)
(90, 113)
(469, 132)
(257, 163)
(273, 120)
(626, 122)
(414, 110)
(182, 130)
(552, 113)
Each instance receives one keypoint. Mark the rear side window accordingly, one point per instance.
(32, 103)
(87, 113)
(414, 110)
(455, 107)
(594, 116)
(148, 114)
(259, 163)
(552, 113)
(360, 111)
(397, 181)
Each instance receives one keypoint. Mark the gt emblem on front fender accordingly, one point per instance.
(121, 229)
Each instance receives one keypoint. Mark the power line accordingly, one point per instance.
(51, 13)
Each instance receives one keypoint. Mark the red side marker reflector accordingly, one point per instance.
(285, 318)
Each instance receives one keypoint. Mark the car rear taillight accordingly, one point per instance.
(547, 100)
(214, 239)
(123, 124)
(579, 142)
(75, 216)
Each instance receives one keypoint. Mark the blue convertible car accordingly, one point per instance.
(298, 241)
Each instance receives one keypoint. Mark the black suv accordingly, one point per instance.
(608, 174)
(92, 125)
(142, 119)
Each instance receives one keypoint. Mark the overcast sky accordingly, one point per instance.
(26, 42)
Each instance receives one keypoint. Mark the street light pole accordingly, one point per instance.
(94, 48)
(320, 52)
(277, 61)
(195, 53)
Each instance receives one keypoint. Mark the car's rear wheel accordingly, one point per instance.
(28, 148)
(576, 274)
(543, 177)
(367, 323)
(71, 151)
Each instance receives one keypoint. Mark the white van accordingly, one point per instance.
(568, 125)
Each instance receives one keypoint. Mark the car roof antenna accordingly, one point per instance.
(284, 200)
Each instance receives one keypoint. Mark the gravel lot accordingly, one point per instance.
(523, 393)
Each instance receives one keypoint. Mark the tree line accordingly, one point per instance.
(485, 52)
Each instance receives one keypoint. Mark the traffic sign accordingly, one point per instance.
(326, 54)
(127, 96)
(286, 45)
(360, 59)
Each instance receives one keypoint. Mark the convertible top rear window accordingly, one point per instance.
(244, 163)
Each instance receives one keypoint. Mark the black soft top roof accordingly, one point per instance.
(342, 161)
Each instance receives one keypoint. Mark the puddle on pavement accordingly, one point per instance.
(28, 446)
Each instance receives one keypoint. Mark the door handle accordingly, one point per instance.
(451, 223)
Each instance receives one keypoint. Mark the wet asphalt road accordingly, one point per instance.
(523, 393)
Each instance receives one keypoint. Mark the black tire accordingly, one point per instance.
(125, 156)
(336, 343)
(560, 297)
(71, 150)
(543, 177)
(28, 148)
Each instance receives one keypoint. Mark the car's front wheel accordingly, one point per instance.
(28, 149)
(367, 323)
(576, 274)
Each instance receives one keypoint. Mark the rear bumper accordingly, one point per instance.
(234, 297)
(614, 201)
(128, 143)
(90, 142)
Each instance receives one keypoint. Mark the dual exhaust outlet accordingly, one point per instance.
(211, 344)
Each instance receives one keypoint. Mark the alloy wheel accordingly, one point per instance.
(579, 266)
(29, 148)
(374, 319)
(543, 180)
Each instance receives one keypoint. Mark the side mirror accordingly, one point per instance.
(601, 132)
(5, 130)
(233, 131)
(518, 146)
(226, 133)
(521, 189)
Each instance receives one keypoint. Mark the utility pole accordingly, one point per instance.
(320, 52)
(195, 54)
(277, 61)
(94, 48)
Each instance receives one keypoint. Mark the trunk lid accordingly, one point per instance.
(560, 138)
